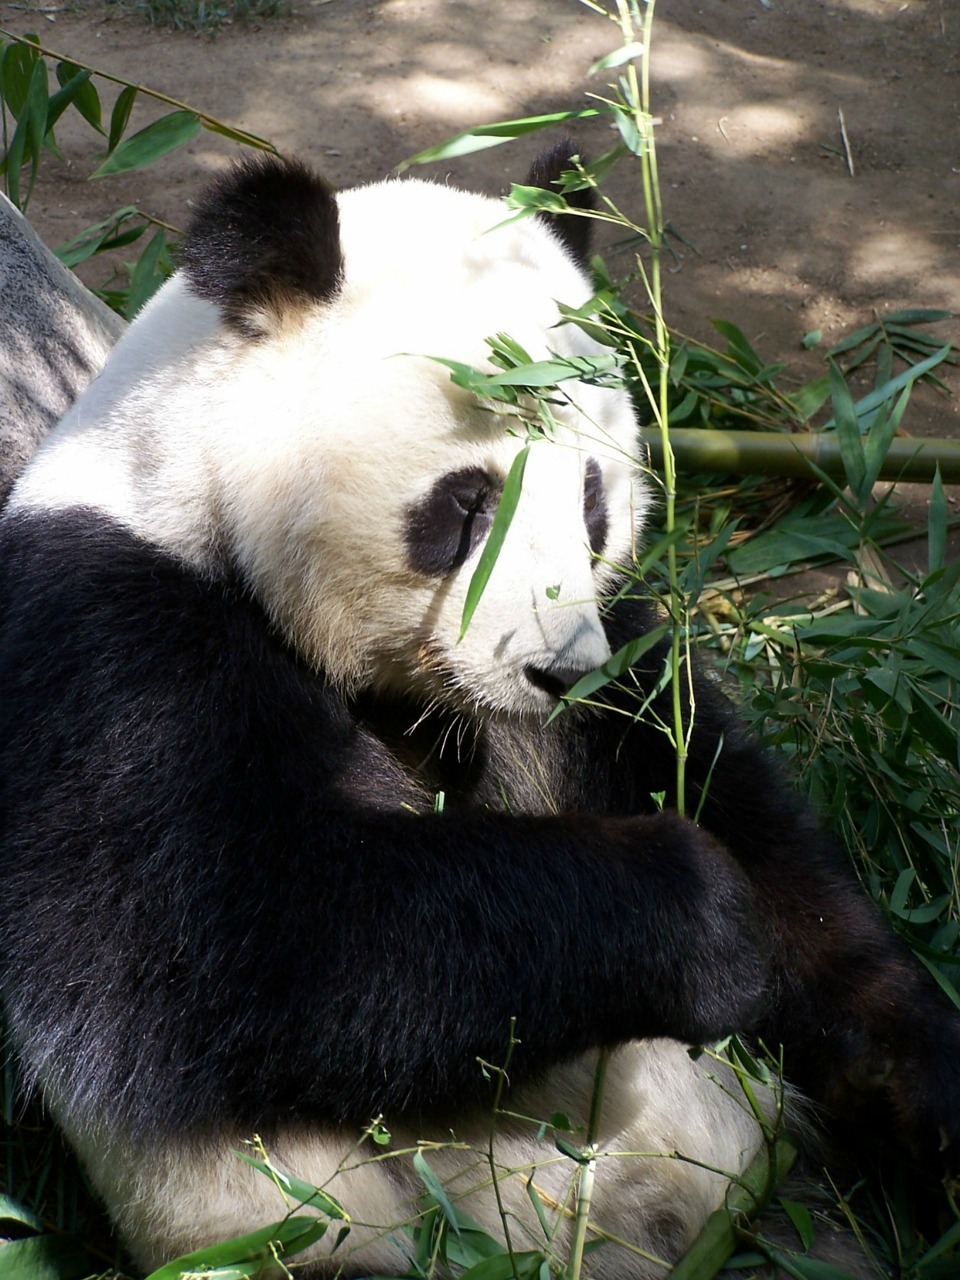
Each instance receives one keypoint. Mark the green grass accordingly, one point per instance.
(205, 17)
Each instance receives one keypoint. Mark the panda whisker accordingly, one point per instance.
(433, 705)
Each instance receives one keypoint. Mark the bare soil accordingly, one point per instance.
(785, 230)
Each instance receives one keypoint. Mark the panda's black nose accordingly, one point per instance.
(554, 680)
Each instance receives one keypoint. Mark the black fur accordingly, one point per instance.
(265, 235)
(573, 230)
(220, 911)
(594, 506)
(451, 520)
(443, 529)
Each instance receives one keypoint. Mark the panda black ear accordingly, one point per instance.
(575, 233)
(264, 238)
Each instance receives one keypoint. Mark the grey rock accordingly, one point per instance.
(54, 338)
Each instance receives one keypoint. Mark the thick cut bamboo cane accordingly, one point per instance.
(765, 453)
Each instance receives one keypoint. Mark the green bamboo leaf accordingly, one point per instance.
(657, 550)
(614, 667)
(803, 1268)
(593, 318)
(538, 1208)
(101, 235)
(917, 315)
(149, 144)
(936, 526)
(85, 97)
(506, 1266)
(910, 337)
(305, 1193)
(628, 129)
(854, 339)
(473, 1246)
(507, 351)
(884, 370)
(801, 1218)
(877, 342)
(679, 359)
(848, 431)
(569, 1150)
(950, 991)
(901, 890)
(535, 199)
(626, 53)
(435, 1188)
(811, 396)
(28, 137)
(121, 115)
(739, 347)
(472, 380)
(940, 659)
(934, 727)
(16, 73)
(60, 100)
(693, 577)
(776, 548)
(13, 1211)
(883, 395)
(491, 135)
(149, 273)
(502, 520)
(231, 1260)
(46, 1257)
(599, 169)
(537, 374)
(547, 373)
(876, 443)
(718, 1239)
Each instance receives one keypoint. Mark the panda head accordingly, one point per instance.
(277, 409)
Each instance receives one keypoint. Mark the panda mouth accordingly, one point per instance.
(437, 681)
(554, 681)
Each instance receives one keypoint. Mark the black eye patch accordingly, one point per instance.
(443, 529)
(594, 506)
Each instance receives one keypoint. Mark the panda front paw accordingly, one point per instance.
(711, 969)
(906, 1084)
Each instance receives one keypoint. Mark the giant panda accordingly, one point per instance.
(283, 854)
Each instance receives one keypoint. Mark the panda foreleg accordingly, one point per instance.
(192, 839)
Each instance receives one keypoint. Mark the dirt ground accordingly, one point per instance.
(784, 234)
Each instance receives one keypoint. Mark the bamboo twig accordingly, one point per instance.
(846, 143)
(208, 121)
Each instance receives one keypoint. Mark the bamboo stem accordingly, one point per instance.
(588, 1169)
(795, 454)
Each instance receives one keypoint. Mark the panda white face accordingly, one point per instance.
(320, 451)
(362, 542)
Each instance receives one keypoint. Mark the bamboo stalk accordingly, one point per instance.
(794, 454)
